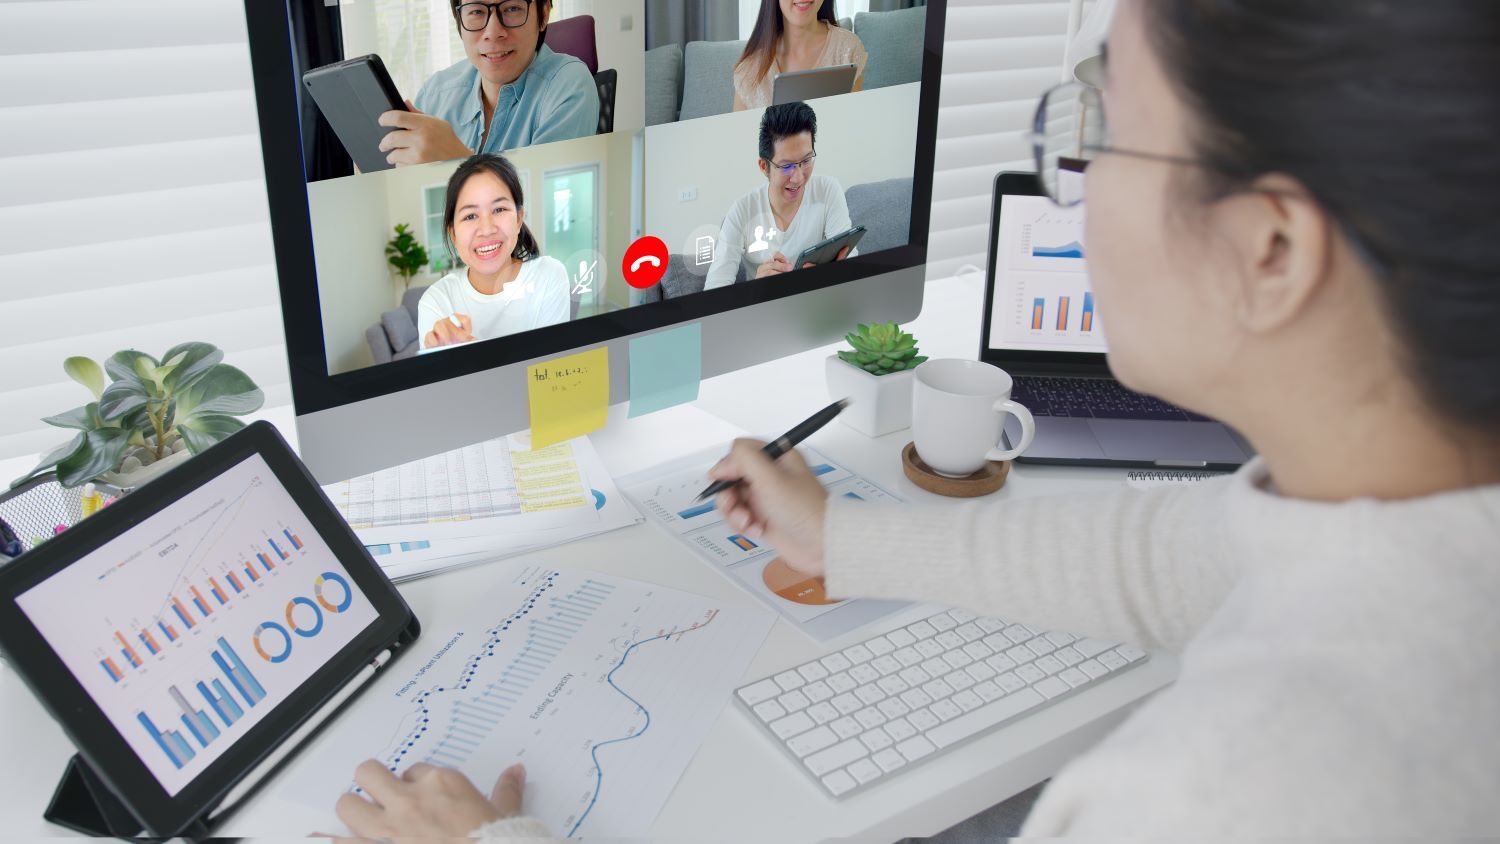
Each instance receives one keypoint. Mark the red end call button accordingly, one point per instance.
(645, 262)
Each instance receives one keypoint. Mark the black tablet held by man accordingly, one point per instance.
(188, 637)
(352, 95)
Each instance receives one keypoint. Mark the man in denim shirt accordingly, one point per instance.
(513, 91)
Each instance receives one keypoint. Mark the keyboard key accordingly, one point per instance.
(942, 621)
(886, 664)
(846, 727)
(923, 720)
(915, 698)
(791, 725)
(834, 757)
(876, 740)
(949, 640)
(946, 710)
(812, 741)
(1000, 663)
(921, 630)
(960, 616)
(959, 680)
(1092, 647)
(979, 671)
(760, 692)
(769, 710)
(793, 701)
(1031, 674)
(813, 671)
(915, 748)
(889, 760)
(822, 713)
(1052, 687)
(1049, 664)
(838, 782)
(1068, 656)
(936, 667)
(914, 676)
(929, 648)
(1010, 682)
(908, 656)
(1112, 660)
(1040, 646)
(817, 692)
(1073, 677)
(1020, 654)
(990, 625)
(1017, 633)
(988, 691)
(864, 770)
(1093, 668)
(870, 694)
(900, 729)
(864, 673)
(857, 654)
(937, 689)
(967, 700)
(836, 663)
(957, 659)
(977, 650)
(892, 707)
(869, 717)
(1059, 638)
(997, 642)
(984, 717)
(841, 682)
(1130, 653)
(893, 685)
(847, 703)
(880, 646)
(969, 631)
(789, 680)
(900, 637)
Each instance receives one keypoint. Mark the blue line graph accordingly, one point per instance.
(610, 678)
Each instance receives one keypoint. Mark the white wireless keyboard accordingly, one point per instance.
(858, 716)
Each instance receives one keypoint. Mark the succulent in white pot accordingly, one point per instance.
(151, 416)
(875, 373)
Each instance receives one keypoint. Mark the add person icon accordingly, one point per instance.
(761, 242)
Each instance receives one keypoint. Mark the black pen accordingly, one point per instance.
(786, 442)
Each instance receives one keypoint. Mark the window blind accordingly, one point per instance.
(133, 212)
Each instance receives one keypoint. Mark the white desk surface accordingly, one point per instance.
(739, 787)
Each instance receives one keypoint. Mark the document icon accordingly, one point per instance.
(705, 250)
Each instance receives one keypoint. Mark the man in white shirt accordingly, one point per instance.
(771, 225)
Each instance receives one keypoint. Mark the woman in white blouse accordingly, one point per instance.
(793, 35)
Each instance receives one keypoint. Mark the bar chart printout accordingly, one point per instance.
(603, 687)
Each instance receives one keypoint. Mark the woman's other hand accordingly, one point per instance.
(426, 802)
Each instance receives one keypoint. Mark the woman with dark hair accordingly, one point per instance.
(793, 35)
(503, 284)
(1291, 230)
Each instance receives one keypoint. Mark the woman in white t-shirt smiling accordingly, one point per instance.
(504, 284)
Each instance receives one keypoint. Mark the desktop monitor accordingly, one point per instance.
(571, 174)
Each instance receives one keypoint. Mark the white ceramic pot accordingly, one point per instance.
(879, 404)
(130, 480)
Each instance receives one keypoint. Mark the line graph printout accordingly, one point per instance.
(603, 687)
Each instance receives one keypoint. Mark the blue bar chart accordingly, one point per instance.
(214, 692)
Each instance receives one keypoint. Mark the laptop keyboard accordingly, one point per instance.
(1099, 398)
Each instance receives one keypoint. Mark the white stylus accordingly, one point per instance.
(453, 318)
(299, 735)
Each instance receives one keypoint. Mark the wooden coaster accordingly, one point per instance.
(982, 482)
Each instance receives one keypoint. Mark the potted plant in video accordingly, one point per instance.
(875, 373)
(406, 254)
(152, 415)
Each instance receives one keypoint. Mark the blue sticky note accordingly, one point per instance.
(665, 369)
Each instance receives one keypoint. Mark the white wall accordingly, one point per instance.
(620, 33)
(865, 137)
(355, 285)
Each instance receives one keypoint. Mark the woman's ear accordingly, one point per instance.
(1284, 249)
(520, 218)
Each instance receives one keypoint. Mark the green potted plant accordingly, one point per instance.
(406, 254)
(875, 372)
(150, 417)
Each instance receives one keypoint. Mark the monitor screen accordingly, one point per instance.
(1041, 300)
(573, 159)
(194, 625)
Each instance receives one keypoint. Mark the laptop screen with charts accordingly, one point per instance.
(1042, 324)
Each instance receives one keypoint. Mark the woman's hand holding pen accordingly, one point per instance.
(779, 500)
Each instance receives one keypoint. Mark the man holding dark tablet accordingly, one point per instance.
(792, 211)
(512, 91)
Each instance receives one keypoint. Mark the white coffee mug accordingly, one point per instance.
(958, 415)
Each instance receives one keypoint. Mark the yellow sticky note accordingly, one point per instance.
(569, 396)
